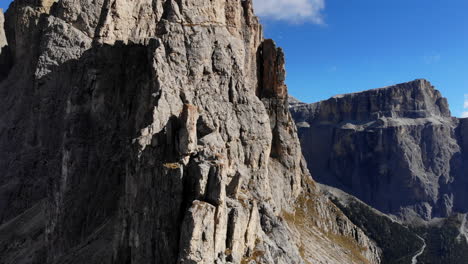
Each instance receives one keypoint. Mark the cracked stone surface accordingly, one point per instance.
(396, 148)
(154, 131)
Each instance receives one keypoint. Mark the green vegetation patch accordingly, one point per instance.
(398, 243)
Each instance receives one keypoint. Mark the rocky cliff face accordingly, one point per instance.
(3, 41)
(396, 148)
(4, 58)
(155, 131)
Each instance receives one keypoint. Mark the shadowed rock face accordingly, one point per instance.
(396, 148)
(461, 183)
(155, 131)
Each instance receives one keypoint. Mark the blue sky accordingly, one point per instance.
(4, 4)
(342, 46)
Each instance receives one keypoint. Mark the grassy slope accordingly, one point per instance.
(397, 242)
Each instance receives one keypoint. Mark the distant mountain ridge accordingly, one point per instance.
(396, 148)
(159, 131)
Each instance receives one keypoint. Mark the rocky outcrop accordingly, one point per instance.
(155, 132)
(396, 148)
(4, 51)
(3, 41)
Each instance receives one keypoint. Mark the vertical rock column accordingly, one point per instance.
(187, 143)
(3, 40)
(286, 163)
(4, 51)
(272, 72)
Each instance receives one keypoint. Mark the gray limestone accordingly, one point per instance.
(154, 131)
(3, 41)
(396, 148)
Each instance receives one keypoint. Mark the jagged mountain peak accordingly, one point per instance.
(155, 131)
(3, 41)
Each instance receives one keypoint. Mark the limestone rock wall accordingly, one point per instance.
(396, 148)
(4, 49)
(3, 41)
(153, 132)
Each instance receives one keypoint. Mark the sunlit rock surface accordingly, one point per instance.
(154, 131)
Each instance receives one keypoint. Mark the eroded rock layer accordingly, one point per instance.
(154, 131)
(3, 41)
(396, 148)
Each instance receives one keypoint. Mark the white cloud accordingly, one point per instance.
(465, 106)
(431, 59)
(291, 10)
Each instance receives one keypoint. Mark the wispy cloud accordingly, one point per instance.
(465, 106)
(333, 69)
(291, 10)
(431, 59)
